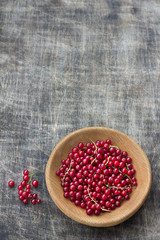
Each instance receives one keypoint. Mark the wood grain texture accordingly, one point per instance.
(140, 163)
(66, 65)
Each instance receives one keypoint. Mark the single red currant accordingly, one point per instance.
(25, 201)
(34, 195)
(11, 183)
(38, 201)
(35, 183)
(33, 201)
(25, 172)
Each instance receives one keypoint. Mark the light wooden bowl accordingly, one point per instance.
(125, 143)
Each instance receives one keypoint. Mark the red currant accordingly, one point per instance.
(35, 183)
(33, 201)
(11, 183)
(25, 172)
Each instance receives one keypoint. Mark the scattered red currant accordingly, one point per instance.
(24, 189)
(30, 196)
(23, 183)
(11, 183)
(25, 172)
(35, 183)
(25, 201)
(33, 201)
(21, 198)
(35, 195)
(26, 178)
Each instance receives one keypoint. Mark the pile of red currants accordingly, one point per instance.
(97, 176)
(24, 189)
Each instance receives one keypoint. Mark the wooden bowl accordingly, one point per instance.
(125, 143)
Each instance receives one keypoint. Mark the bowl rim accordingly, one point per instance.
(75, 218)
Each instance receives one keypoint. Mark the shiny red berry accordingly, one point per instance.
(23, 183)
(30, 196)
(38, 201)
(35, 183)
(11, 183)
(25, 172)
(25, 201)
(33, 201)
(34, 195)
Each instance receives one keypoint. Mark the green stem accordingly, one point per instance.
(90, 196)
(125, 175)
(121, 188)
(108, 160)
(128, 177)
(93, 143)
(67, 172)
(31, 175)
(35, 173)
(93, 160)
(108, 186)
(127, 166)
(95, 201)
(113, 146)
(105, 210)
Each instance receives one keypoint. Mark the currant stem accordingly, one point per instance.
(121, 188)
(90, 196)
(113, 146)
(31, 175)
(93, 160)
(93, 143)
(125, 175)
(106, 210)
(35, 173)
(67, 172)
(84, 148)
(127, 166)
(128, 177)
(96, 202)
(107, 160)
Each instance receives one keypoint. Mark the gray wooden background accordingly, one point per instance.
(65, 65)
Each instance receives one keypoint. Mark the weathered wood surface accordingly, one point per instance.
(65, 65)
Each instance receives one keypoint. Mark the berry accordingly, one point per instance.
(20, 187)
(25, 177)
(97, 212)
(24, 194)
(89, 211)
(20, 192)
(25, 172)
(27, 191)
(11, 183)
(23, 183)
(35, 195)
(108, 141)
(124, 154)
(80, 145)
(25, 201)
(38, 201)
(33, 201)
(30, 196)
(28, 186)
(21, 198)
(35, 183)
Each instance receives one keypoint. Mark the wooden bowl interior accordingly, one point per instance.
(125, 143)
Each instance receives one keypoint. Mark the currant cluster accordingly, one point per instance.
(97, 176)
(24, 189)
